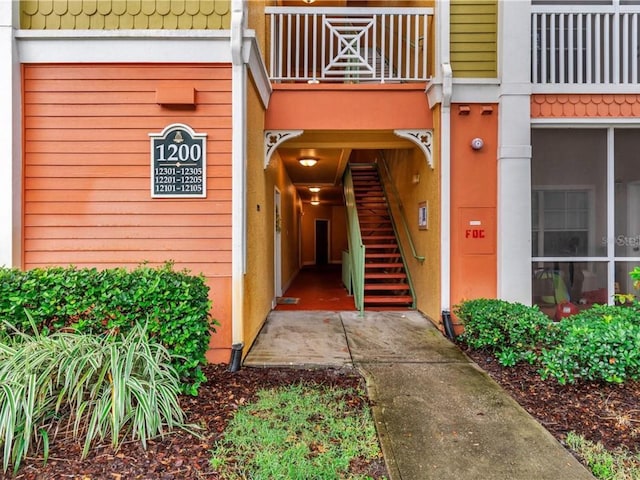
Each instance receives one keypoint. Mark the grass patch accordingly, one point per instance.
(619, 464)
(298, 432)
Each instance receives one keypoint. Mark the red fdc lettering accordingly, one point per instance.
(475, 233)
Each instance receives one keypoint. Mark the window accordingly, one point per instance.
(585, 207)
(564, 216)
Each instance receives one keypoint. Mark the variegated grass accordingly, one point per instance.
(93, 387)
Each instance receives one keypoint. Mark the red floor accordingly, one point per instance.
(318, 288)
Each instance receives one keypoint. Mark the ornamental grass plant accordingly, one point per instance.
(92, 387)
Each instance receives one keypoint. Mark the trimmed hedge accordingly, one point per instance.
(512, 331)
(175, 306)
(601, 343)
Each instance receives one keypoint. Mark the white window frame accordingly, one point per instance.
(610, 258)
(591, 221)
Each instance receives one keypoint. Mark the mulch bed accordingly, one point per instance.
(601, 412)
(181, 456)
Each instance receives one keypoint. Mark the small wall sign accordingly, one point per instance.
(423, 216)
(178, 162)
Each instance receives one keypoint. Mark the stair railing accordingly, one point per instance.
(356, 247)
(403, 217)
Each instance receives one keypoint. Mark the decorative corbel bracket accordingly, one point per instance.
(274, 138)
(422, 138)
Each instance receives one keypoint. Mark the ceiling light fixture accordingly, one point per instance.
(308, 2)
(314, 189)
(308, 162)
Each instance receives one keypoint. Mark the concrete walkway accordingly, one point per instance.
(438, 415)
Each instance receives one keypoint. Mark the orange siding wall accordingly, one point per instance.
(87, 195)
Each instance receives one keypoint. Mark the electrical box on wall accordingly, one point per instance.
(477, 230)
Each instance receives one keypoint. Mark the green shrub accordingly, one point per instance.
(601, 343)
(635, 276)
(101, 386)
(512, 331)
(174, 305)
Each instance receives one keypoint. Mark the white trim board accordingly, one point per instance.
(123, 46)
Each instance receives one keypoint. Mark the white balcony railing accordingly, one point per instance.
(586, 44)
(343, 44)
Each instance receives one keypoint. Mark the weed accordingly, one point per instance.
(296, 432)
(619, 464)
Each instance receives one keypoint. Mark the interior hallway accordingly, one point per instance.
(318, 288)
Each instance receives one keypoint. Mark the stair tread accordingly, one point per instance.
(386, 286)
(385, 281)
(391, 299)
(385, 276)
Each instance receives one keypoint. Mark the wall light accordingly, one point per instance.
(314, 189)
(308, 162)
(315, 202)
(477, 143)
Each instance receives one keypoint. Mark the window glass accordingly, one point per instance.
(582, 283)
(569, 192)
(624, 283)
(627, 192)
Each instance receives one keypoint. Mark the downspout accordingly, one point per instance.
(445, 155)
(445, 182)
(238, 169)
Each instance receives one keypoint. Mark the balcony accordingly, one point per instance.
(585, 47)
(348, 45)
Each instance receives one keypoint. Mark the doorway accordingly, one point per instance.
(277, 244)
(322, 242)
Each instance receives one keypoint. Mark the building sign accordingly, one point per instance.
(178, 162)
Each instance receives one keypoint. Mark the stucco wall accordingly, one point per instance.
(405, 165)
(473, 202)
(258, 280)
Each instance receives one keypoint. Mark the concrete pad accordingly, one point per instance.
(452, 422)
(302, 339)
(406, 336)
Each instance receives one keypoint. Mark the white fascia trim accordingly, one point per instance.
(579, 89)
(124, 46)
(466, 91)
(477, 92)
(254, 59)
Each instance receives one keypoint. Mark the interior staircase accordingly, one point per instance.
(385, 278)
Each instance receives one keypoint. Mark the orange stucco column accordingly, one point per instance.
(473, 202)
